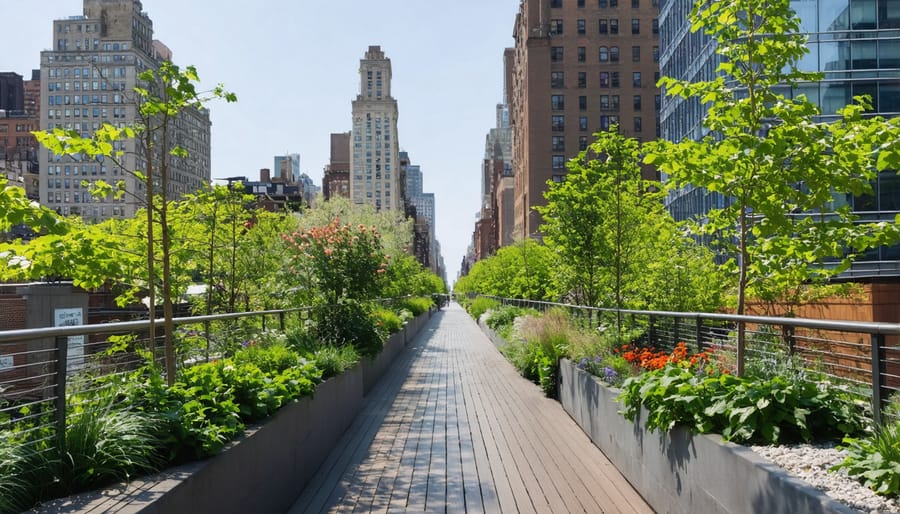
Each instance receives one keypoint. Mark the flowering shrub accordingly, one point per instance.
(343, 261)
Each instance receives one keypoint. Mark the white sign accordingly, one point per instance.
(69, 318)
(6, 362)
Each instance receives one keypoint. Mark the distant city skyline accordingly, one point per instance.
(295, 85)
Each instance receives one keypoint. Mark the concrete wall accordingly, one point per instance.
(678, 472)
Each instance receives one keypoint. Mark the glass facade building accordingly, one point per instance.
(854, 43)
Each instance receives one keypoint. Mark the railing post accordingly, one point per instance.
(674, 331)
(699, 333)
(878, 370)
(652, 331)
(787, 333)
(263, 319)
(281, 320)
(62, 361)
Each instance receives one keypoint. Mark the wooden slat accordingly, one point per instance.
(453, 428)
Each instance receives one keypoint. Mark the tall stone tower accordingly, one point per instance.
(375, 151)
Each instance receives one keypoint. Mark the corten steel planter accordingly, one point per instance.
(681, 472)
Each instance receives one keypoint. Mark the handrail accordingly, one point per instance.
(126, 326)
(841, 326)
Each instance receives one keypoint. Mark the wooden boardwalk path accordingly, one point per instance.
(453, 428)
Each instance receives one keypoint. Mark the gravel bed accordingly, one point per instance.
(811, 463)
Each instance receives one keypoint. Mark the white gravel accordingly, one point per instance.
(811, 464)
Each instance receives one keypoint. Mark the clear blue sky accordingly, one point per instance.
(294, 66)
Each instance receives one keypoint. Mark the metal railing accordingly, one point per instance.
(864, 357)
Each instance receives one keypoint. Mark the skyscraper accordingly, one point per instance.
(576, 69)
(287, 167)
(89, 79)
(374, 155)
(853, 42)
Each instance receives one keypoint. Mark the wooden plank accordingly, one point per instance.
(457, 430)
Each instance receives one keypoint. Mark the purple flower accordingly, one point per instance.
(610, 374)
(598, 359)
(582, 364)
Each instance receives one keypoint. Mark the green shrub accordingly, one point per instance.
(387, 321)
(208, 416)
(503, 316)
(875, 460)
(481, 305)
(740, 409)
(348, 322)
(270, 358)
(334, 360)
(416, 305)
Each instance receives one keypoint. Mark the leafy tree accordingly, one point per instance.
(780, 168)
(406, 276)
(522, 270)
(165, 93)
(16, 209)
(592, 219)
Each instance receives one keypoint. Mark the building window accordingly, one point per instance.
(636, 79)
(556, 27)
(602, 4)
(604, 122)
(615, 79)
(559, 162)
(614, 54)
(635, 26)
(604, 54)
(603, 26)
(557, 102)
(582, 54)
(582, 143)
(558, 144)
(582, 123)
(655, 26)
(635, 54)
(656, 103)
(637, 123)
(655, 54)
(613, 26)
(558, 123)
(580, 3)
(615, 103)
(604, 102)
(556, 54)
(582, 79)
(582, 103)
(581, 27)
(637, 102)
(557, 79)
(604, 79)
(613, 3)
(635, 4)
(555, 3)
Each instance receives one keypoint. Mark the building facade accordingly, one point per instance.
(853, 43)
(19, 116)
(88, 79)
(578, 67)
(287, 167)
(375, 152)
(336, 179)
